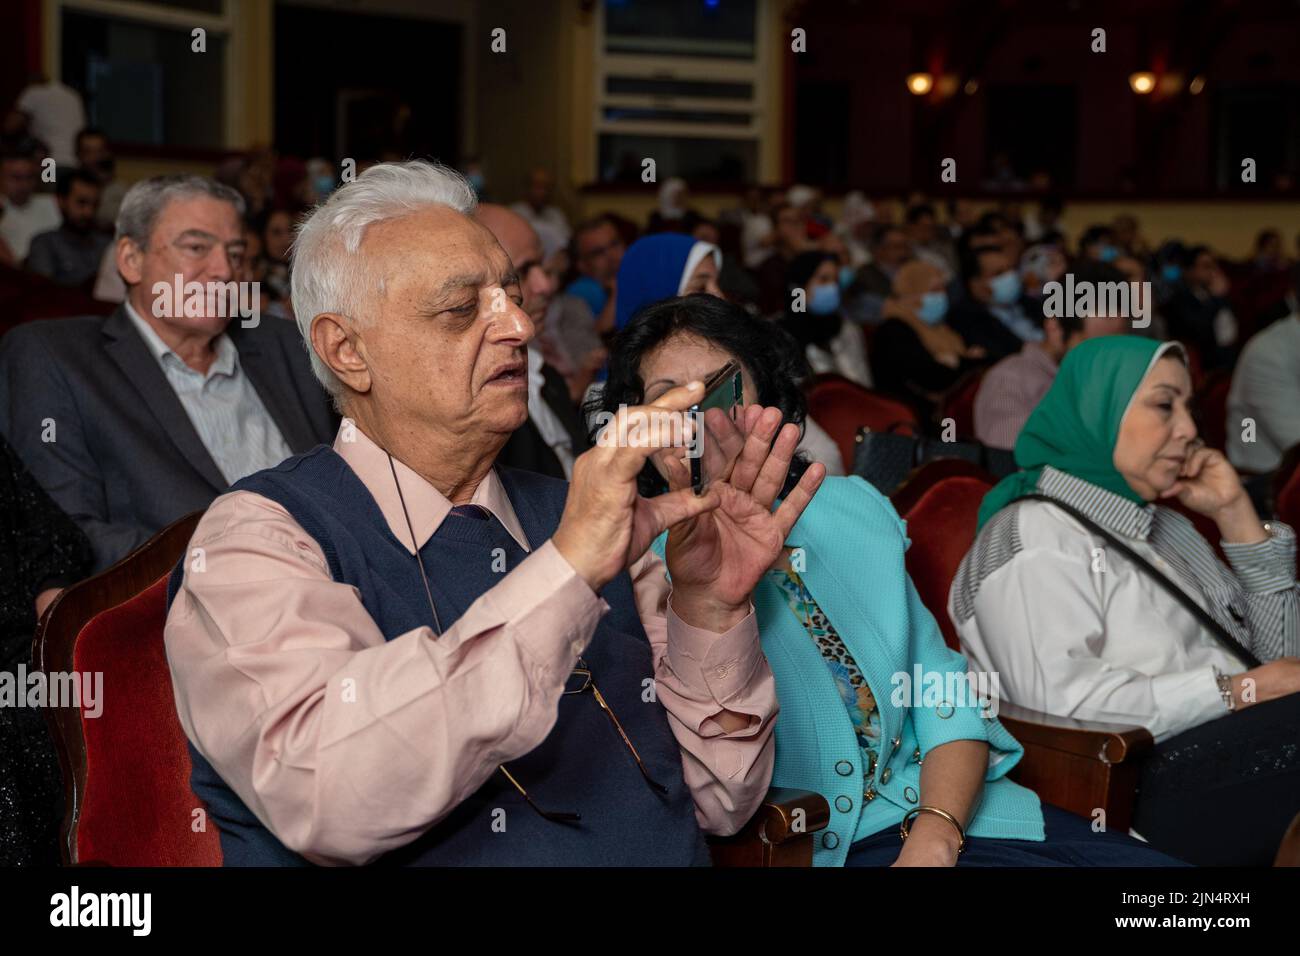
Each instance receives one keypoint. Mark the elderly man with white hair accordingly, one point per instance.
(399, 650)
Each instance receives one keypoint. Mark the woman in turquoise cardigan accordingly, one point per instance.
(877, 714)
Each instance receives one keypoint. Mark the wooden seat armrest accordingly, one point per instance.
(780, 833)
(1095, 739)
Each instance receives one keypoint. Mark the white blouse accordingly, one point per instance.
(1075, 629)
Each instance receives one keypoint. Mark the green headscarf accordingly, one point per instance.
(1075, 426)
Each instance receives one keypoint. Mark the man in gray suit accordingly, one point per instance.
(131, 421)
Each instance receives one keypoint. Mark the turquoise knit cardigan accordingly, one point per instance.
(851, 545)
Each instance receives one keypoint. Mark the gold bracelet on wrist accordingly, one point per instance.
(961, 834)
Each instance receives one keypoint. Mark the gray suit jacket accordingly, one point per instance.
(126, 461)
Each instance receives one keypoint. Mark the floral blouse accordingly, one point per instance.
(852, 686)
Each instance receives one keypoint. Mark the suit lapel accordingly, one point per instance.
(259, 358)
(129, 352)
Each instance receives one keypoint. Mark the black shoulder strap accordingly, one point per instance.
(1216, 629)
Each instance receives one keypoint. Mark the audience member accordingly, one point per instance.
(672, 214)
(173, 400)
(1100, 604)
(598, 251)
(791, 239)
(534, 587)
(866, 295)
(992, 314)
(1264, 399)
(95, 156)
(553, 435)
(70, 254)
(24, 213)
(915, 354)
(814, 319)
(1012, 388)
(537, 207)
(843, 730)
(926, 240)
(55, 114)
(1199, 313)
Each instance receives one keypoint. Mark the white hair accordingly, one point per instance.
(329, 274)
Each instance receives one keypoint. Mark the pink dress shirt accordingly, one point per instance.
(347, 746)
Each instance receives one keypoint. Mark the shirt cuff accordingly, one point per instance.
(713, 665)
(1265, 566)
(549, 599)
(1185, 700)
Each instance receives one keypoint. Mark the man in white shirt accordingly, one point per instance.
(26, 213)
(55, 116)
(1264, 400)
(537, 207)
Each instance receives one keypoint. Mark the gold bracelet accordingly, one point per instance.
(961, 834)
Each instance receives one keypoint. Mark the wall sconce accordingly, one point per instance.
(920, 83)
(1142, 83)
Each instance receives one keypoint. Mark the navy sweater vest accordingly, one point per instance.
(582, 766)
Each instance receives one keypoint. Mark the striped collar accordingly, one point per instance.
(1104, 507)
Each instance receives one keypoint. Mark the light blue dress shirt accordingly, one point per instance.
(223, 406)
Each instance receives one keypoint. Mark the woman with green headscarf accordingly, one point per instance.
(1079, 593)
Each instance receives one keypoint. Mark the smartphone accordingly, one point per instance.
(723, 389)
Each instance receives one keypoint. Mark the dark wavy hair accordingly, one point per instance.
(775, 363)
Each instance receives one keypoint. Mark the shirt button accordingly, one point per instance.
(843, 768)
(830, 840)
(843, 804)
(884, 777)
(893, 744)
(909, 795)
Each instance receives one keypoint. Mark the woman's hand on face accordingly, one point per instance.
(1207, 483)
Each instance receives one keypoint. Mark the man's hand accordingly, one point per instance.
(716, 557)
(606, 523)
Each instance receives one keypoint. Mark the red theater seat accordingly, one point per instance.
(842, 407)
(126, 772)
(959, 404)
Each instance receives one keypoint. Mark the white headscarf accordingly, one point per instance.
(693, 258)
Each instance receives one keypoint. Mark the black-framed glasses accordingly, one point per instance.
(580, 682)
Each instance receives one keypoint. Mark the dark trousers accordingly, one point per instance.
(1070, 841)
(1223, 793)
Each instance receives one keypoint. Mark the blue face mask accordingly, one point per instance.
(1108, 253)
(934, 306)
(323, 185)
(1005, 287)
(1171, 272)
(847, 275)
(477, 182)
(824, 299)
